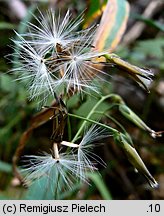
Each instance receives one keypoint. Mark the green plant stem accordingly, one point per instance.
(100, 185)
(113, 119)
(91, 113)
(92, 121)
(69, 129)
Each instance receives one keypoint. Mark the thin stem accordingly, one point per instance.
(55, 150)
(113, 119)
(69, 144)
(92, 121)
(108, 56)
(90, 114)
(69, 129)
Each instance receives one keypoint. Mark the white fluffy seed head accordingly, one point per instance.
(79, 66)
(51, 29)
(32, 69)
(89, 141)
(54, 58)
(45, 166)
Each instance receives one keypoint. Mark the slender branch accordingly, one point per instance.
(55, 150)
(92, 121)
(89, 116)
(113, 119)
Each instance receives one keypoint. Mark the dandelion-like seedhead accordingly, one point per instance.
(91, 139)
(53, 56)
(65, 167)
(51, 30)
(70, 166)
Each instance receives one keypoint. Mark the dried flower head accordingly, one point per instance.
(51, 29)
(70, 166)
(85, 149)
(53, 56)
(52, 168)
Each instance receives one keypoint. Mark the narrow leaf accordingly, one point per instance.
(98, 181)
(95, 9)
(112, 25)
(5, 167)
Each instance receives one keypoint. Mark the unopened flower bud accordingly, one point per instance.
(135, 159)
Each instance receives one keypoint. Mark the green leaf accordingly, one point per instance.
(73, 101)
(112, 25)
(6, 25)
(150, 22)
(153, 48)
(95, 8)
(5, 167)
(98, 181)
(39, 190)
(47, 187)
(6, 83)
(87, 106)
